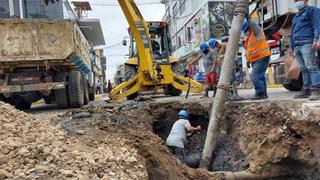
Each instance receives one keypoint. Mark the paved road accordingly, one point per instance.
(44, 111)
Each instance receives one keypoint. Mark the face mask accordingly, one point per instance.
(299, 5)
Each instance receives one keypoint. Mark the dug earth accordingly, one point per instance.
(267, 140)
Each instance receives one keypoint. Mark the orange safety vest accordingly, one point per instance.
(256, 48)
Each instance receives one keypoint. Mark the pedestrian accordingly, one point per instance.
(304, 37)
(258, 55)
(178, 135)
(109, 88)
(98, 88)
(208, 55)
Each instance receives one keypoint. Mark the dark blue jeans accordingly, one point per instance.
(306, 57)
(258, 75)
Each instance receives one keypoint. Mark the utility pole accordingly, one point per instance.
(241, 11)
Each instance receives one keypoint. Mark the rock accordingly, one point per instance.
(4, 174)
(66, 173)
(82, 115)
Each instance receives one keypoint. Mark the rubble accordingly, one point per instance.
(32, 149)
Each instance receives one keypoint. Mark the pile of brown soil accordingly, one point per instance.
(31, 149)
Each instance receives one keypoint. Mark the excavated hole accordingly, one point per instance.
(227, 155)
(238, 121)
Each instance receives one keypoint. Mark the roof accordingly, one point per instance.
(92, 30)
(83, 5)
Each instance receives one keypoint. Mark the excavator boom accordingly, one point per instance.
(140, 31)
(149, 74)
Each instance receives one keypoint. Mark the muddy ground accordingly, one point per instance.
(274, 140)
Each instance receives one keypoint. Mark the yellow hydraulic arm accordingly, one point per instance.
(148, 73)
(140, 32)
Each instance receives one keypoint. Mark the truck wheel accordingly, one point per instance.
(91, 94)
(48, 99)
(21, 104)
(294, 85)
(86, 92)
(173, 91)
(177, 68)
(61, 95)
(130, 71)
(75, 89)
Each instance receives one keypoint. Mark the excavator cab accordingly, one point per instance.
(160, 44)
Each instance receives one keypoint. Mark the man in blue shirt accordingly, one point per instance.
(304, 37)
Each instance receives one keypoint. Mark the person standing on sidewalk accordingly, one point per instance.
(208, 54)
(304, 37)
(258, 55)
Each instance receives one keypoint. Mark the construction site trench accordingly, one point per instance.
(261, 140)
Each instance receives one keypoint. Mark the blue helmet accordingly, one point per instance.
(203, 46)
(225, 39)
(183, 113)
(245, 26)
(212, 43)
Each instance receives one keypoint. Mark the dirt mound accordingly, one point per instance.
(31, 149)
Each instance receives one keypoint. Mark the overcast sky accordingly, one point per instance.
(114, 26)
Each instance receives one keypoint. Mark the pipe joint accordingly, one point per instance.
(242, 8)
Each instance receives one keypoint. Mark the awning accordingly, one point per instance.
(92, 30)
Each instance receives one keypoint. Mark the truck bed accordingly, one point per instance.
(26, 43)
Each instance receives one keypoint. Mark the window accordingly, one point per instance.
(175, 9)
(182, 4)
(38, 9)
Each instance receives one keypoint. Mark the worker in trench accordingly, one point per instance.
(208, 55)
(258, 56)
(178, 135)
(304, 43)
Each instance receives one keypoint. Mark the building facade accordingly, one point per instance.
(192, 22)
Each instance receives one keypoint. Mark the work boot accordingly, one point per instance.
(259, 97)
(304, 93)
(315, 94)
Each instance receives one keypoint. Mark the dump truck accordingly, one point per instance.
(44, 59)
(275, 16)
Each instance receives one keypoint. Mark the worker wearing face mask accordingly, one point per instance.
(258, 55)
(304, 37)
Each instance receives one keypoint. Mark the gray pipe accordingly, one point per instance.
(241, 12)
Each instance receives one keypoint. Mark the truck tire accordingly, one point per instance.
(21, 104)
(130, 71)
(75, 89)
(48, 99)
(171, 90)
(177, 68)
(294, 85)
(61, 95)
(91, 94)
(86, 92)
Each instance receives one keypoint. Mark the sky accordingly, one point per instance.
(114, 26)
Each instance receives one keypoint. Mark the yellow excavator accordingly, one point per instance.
(150, 66)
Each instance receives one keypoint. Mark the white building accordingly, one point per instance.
(194, 21)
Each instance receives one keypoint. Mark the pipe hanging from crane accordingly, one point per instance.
(241, 11)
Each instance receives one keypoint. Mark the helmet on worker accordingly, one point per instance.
(212, 43)
(245, 26)
(183, 114)
(203, 47)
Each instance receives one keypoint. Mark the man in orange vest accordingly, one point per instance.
(258, 55)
